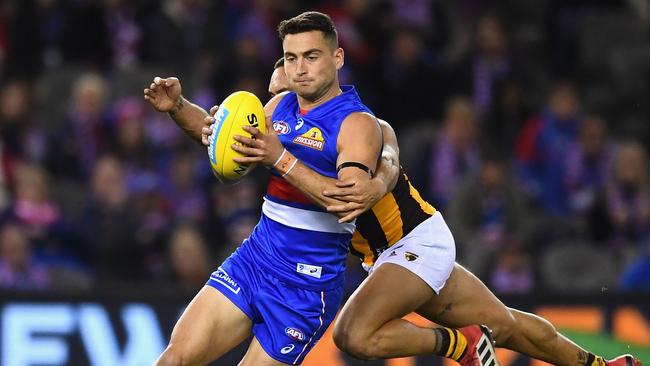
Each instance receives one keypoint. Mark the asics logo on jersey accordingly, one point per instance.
(294, 333)
(312, 138)
(223, 278)
(410, 256)
(281, 127)
(287, 349)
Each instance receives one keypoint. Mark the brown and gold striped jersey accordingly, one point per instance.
(392, 218)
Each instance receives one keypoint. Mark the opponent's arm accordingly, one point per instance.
(165, 96)
(362, 196)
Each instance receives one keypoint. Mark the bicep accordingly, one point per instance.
(391, 147)
(359, 141)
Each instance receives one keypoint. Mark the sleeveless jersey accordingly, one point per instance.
(392, 218)
(295, 240)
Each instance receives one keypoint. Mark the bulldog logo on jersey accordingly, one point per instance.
(410, 256)
(281, 127)
(312, 138)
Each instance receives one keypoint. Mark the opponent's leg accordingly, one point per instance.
(370, 326)
(210, 326)
(466, 300)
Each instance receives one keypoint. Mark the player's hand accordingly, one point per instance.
(206, 131)
(163, 94)
(359, 197)
(259, 148)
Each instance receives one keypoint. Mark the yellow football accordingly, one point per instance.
(237, 110)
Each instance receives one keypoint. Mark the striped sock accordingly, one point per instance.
(593, 360)
(450, 343)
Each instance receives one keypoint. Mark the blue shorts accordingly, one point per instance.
(287, 321)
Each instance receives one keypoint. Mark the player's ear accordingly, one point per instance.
(339, 58)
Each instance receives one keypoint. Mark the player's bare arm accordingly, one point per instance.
(165, 95)
(362, 196)
(266, 149)
(359, 145)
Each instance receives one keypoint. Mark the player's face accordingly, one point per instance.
(279, 82)
(311, 64)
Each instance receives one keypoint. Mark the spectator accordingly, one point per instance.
(486, 213)
(453, 156)
(512, 272)
(543, 145)
(189, 258)
(489, 64)
(18, 268)
(85, 134)
(627, 197)
(109, 211)
(589, 161)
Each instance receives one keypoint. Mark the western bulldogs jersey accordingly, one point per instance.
(297, 241)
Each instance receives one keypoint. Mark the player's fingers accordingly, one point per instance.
(345, 207)
(337, 208)
(157, 80)
(247, 141)
(207, 131)
(205, 140)
(208, 120)
(350, 217)
(252, 130)
(170, 81)
(344, 183)
(336, 192)
(152, 86)
(213, 110)
(246, 150)
(247, 159)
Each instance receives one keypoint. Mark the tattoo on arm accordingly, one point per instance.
(178, 107)
(582, 358)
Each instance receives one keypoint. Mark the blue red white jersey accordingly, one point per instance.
(297, 241)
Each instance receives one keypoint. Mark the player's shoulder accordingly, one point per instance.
(359, 124)
(362, 117)
(272, 104)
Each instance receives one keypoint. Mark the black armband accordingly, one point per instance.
(355, 165)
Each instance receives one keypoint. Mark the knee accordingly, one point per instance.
(354, 341)
(173, 356)
(503, 328)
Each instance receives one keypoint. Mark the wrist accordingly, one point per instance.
(179, 104)
(285, 163)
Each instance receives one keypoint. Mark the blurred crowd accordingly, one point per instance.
(526, 123)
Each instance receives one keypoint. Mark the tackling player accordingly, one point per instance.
(409, 273)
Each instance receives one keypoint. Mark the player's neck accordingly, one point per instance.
(331, 93)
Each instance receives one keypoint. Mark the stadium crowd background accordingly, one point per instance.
(526, 122)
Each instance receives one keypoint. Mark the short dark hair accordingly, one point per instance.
(307, 22)
(279, 63)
